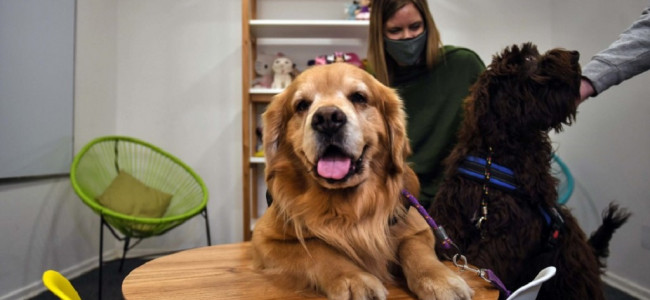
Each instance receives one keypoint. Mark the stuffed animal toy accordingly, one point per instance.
(282, 70)
(363, 13)
(348, 57)
(351, 10)
(263, 71)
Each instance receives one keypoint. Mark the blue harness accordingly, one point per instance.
(497, 176)
(500, 176)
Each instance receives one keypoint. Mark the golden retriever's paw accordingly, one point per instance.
(449, 286)
(358, 286)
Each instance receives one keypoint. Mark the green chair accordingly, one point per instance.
(137, 189)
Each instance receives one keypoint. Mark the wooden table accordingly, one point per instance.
(225, 272)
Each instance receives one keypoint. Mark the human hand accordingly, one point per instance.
(586, 90)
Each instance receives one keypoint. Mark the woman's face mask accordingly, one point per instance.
(406, 52)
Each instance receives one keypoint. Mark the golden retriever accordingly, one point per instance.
(336, 147)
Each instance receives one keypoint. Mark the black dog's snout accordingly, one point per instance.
(575, 56)
(328, 120)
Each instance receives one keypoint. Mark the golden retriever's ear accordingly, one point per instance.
(395, 119)
(274, 123)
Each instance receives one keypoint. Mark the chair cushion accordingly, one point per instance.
(130, 196)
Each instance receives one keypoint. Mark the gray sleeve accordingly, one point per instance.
(623, 59)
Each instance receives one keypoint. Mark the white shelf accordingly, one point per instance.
(264, 91)
(257, 160)
(309, 28)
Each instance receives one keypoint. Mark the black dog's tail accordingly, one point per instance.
(613, 218)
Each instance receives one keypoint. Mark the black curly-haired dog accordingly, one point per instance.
(498, 202)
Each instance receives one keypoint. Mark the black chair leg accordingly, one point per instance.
(101, 257)
(207, 224)
(126, 248)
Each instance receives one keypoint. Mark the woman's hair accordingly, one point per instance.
(381, 11)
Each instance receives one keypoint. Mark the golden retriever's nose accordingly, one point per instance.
(328, 120)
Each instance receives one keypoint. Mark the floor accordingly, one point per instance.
(86, 284)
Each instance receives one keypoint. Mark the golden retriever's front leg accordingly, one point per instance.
(427, 276)
(322, 268)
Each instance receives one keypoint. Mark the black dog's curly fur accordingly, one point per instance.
(514, 104)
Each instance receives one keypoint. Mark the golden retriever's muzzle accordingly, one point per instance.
(335, 162)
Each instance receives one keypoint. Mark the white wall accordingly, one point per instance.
(179, 87)
(164, 71)
(608, 149)
(42, 223)
(168, 71)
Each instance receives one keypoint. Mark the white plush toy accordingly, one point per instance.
(263, 71)
(282, 69)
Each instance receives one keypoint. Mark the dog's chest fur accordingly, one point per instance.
(359, 230)
(355, 220)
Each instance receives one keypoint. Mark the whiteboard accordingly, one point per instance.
(36, 87)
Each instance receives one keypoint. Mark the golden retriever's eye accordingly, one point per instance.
(358, 98)
(302, 105)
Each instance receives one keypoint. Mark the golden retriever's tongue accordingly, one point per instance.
(334, 167)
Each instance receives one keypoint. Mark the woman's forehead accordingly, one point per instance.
(404, 16)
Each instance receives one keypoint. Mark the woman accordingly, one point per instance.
(406, 53)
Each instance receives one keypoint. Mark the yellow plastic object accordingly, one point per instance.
(59, 285)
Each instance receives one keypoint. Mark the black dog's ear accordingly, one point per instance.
(476, 107)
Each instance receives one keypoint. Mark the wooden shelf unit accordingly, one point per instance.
(320, 34)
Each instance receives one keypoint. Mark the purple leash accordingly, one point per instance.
(447, 243)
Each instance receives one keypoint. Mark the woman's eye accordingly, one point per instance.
(358, 98)
(302, 105)
(415, 26)
(394, 30)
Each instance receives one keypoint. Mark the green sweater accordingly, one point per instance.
(433, 102)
